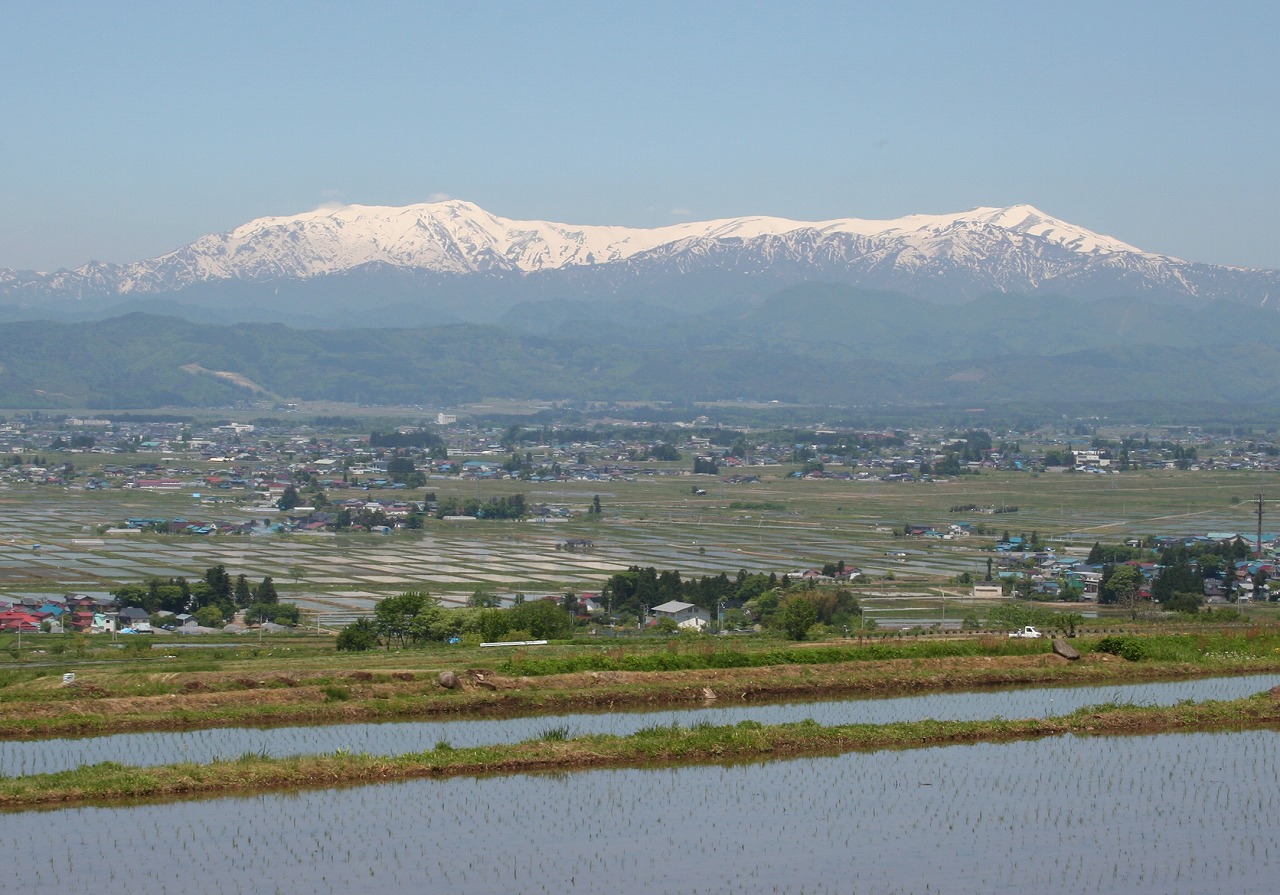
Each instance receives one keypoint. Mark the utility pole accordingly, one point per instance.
(1259, 498)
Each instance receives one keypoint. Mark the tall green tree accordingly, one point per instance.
(544, 619)
(289, 499)
(219, 582)
(215, 590)
(266, 592)
(393, 618)
(243, 594)
(796, 615)
(1178, 578)
(1121, 588)
(209, 617)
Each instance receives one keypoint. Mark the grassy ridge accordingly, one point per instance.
(276, 691)
(732, 658)
(651, 747)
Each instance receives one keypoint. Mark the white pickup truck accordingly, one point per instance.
(1027, 632)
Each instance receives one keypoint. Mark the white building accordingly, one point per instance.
(685, 615)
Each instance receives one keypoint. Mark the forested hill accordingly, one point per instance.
(811, 344)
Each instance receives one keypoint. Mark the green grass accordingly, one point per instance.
(1197, 648)
(663, 745)
(708, 658)
(318, 686)
(554, 734)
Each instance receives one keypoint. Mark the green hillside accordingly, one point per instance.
(813, 344)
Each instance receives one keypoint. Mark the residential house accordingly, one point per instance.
(685, 615)
(988, 591)
(135, 617)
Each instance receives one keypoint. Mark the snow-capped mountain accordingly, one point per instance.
(948, 257)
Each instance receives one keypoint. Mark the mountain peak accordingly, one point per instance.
(953, 257)
(1031, 221)
(455, 236)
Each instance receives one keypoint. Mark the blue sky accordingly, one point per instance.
(133, 128)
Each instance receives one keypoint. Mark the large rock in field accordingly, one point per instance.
(1064, 649)
(448, 680)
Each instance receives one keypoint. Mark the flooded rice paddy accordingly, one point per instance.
(49, 544)
(1173, 814)
(395, 738)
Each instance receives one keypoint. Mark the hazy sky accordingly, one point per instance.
(130, 129)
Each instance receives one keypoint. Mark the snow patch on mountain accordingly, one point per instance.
(458, 237)
(949, 256)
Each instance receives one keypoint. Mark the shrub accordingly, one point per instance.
(1132, 648)
(796, 615)
(1183, 602)
(358, 637)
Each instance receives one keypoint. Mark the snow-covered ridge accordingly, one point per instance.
(945, 257)
(458, 237)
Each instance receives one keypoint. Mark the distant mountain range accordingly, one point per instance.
(812, 344)
(446, 303)
(452, 261)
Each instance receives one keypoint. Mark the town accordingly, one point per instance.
(295, 507)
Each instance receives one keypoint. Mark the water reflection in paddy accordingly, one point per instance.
(45, 756)
(1169, 814)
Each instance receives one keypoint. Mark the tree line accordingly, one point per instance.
(510, 507)
(416, 618)
(771, 601)
(212, 599)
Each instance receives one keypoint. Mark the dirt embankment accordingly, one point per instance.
(741, 742)
(214, 699)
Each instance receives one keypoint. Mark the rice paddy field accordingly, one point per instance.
(47, 756)
(50, 538)
(1168, 814)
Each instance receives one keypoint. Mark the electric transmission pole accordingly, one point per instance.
(1259, 499)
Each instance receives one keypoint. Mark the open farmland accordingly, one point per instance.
(51, 541)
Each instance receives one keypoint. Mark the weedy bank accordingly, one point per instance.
(238, 689)
(651, 747)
